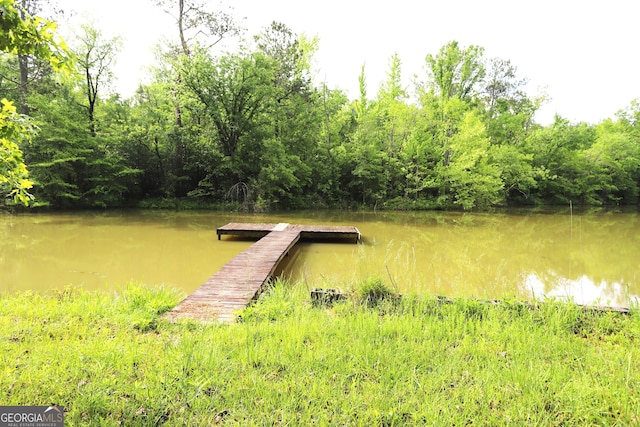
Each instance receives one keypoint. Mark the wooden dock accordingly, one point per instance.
(241, 280)
(319, 232)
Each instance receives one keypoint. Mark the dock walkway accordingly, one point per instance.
(241, 280)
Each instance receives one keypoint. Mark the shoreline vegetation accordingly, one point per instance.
(370, 359)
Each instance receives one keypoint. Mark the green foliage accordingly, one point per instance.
(585, 164)
(70, 167)
(233, 90)
(454, 72)
(22, 34)
(615, 157)
(95, 56)
(470, 176)
(518, 175)
(14, 176)
(265, 118)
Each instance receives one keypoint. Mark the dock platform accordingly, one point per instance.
(319, 232)
(241, 280)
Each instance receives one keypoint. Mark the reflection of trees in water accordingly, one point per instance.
(5, 224)
(598, 254)
(581, 291)
(492, 254)
(448, 253)
(100, 250)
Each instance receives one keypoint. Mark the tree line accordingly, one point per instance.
(252, 129)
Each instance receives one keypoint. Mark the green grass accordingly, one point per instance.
(110, 359)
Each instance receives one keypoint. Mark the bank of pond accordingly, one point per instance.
(111, 358)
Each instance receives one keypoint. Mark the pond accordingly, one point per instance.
(590, 257)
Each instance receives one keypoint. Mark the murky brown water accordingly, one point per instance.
(589, 257)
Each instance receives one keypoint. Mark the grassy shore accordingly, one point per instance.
(110, 359)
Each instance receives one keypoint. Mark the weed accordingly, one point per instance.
(373, 291)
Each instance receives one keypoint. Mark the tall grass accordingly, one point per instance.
(112, 360)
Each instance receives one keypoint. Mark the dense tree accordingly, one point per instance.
(233, 90)
(253, 129)
(328, 176)
(471, 177)
(266, 118)
(395, 120)
(71, 166)
(148, 140)
(22, 34)
(566, 174)
(22, 70)
(615, 158)
(74, 162)
(295, 115)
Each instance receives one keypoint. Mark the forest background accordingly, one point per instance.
(253, 129)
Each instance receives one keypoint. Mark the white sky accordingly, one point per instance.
(582, 54)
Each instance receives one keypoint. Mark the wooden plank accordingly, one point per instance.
(238, 282)
(255, 230)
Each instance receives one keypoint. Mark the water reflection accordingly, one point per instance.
(582, 290)
(590, 257)
(493, 255)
